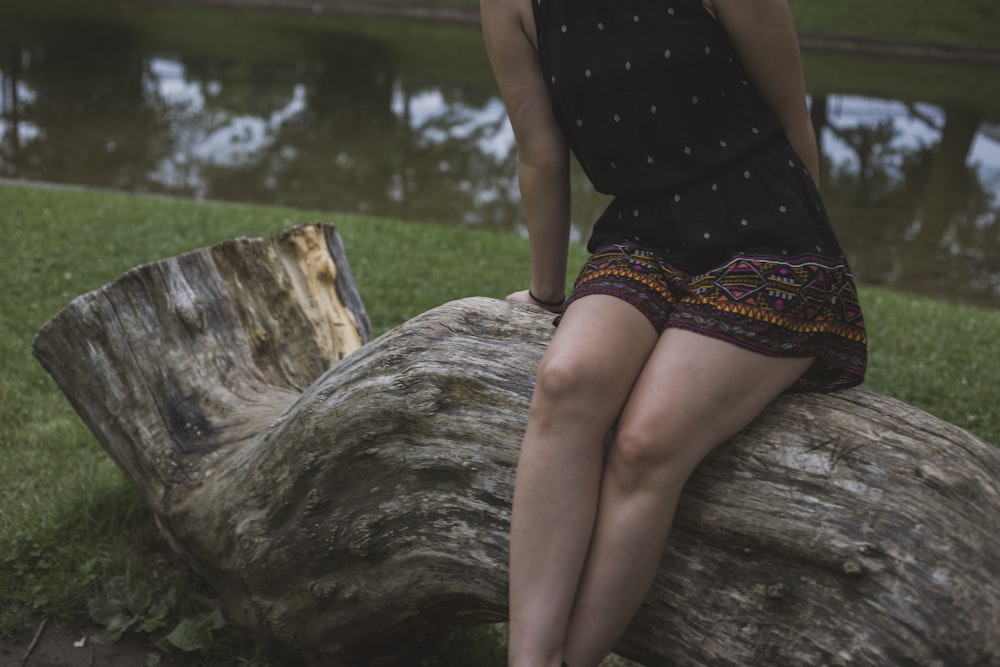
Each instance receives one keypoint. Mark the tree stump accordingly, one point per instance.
(347, 497)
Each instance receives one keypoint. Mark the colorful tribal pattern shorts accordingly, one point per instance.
(804, 306)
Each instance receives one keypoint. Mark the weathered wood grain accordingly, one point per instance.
(346, 498)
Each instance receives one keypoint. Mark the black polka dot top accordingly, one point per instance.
(649, 93)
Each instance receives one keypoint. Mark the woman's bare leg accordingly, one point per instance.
(694, 393)
(583, 381)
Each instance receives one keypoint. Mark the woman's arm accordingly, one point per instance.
(542, 154)
(763, 33)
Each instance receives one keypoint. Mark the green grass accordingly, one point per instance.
(966, 22)
(68, 521)
(970, 21)
(938, 356)
(455, 54)
(975, 21)
(256, 36)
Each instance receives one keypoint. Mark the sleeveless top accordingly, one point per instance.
(649, 93)
(661, 114)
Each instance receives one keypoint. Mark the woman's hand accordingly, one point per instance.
(524, 296)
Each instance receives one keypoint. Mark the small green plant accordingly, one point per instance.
(128, 604)
(125, 605)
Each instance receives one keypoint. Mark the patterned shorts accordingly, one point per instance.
(804, 306)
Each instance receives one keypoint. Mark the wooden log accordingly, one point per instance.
(348, 498)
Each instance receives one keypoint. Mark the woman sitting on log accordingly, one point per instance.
(715, 282)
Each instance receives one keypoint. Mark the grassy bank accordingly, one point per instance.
(68, 522)
(968, 22)
(455, 54)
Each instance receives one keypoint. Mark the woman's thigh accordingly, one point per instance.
(693, 393)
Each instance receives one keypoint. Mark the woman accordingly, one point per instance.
(715, 284)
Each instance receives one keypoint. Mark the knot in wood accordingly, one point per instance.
(853, 566)
(191, 313)
(776, 591)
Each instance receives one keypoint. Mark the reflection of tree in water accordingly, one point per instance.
(353, 143)
(95, 121)
(251, 89)
(872, 180)
(911, 211)
(10, 109)
(447, 158)
(360, 128)
(343, 140)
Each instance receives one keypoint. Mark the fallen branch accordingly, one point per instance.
(348, 498)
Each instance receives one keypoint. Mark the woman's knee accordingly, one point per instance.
(566, 378)
(571, 394)
(642, 455)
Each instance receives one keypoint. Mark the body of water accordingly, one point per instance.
(369, 117)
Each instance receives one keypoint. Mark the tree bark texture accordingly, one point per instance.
(346, 498)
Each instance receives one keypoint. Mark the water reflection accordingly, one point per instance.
(913, 188)
(917, 186)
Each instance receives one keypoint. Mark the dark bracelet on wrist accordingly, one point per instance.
(551, 304)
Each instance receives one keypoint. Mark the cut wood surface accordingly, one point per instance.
(347, 497)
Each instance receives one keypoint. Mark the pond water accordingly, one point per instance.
(370, 117)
